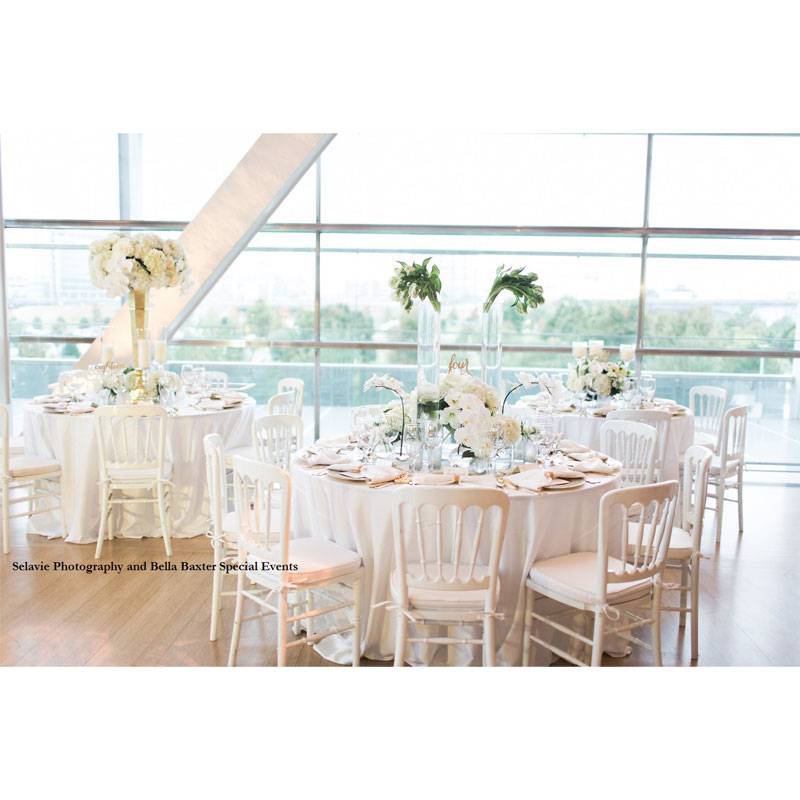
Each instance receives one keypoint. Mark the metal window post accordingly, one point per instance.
(643, 262)
(5, 345)
(317, 303)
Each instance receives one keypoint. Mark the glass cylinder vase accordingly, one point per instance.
(140, 312)
(492, 348)
(428, 337)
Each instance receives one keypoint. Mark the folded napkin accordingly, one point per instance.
(80, 408)
(335, 443)
(568, 446)
(597, 465)
(602, 411)
(564, 473)
(534, 479)
(587, 456)
(377, 475)
(326, 457)
(207, 404)
(434, 479)
(40, 399)
(348, 465)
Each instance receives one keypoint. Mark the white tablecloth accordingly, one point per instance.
(72, 441)
(540, 526)
(586, 430)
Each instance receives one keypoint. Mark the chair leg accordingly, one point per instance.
(489, 642)
(400, 636)
(695, 618)
(104, 514)
(6, 520)
(162, 514)
(720, 507)
(356, 621)
(597, 638)
(739, 500)
(683, 598)
(526, 634)
(283, 627)
(657, 623)
(237, 620)
(216, 590)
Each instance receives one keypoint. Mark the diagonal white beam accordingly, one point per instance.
(222, 229)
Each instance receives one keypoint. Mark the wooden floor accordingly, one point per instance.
(749, 616)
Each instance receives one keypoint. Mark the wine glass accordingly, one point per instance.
(647, 386)
(628, 391)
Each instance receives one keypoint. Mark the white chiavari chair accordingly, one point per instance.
(707, 403)
(684, 547)
(634, 445)
(31, 479)
(727, 466)
(280, 566)
(600, 583)
(661, 421)
(131, 441)
(276, 437)
(297, 387)
(281, 403)
(216, 381)
(447, 546)
(223, 529)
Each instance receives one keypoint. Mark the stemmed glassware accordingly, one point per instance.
(628, 391)
(431, 436)
(647, 386)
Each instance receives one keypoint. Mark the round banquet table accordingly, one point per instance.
(71, 440)
(355, 516)
(586, 430)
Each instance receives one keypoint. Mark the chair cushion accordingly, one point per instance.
(436, 596)
(573, 576)
(16, 446)
(246, 452)
(148, 475)
(706, 440)
(27, 466)
(731, 467)
(680, 543)
(318, 560)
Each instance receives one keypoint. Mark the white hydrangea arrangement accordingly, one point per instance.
(121, 264)
(157, 381)
(597, 375)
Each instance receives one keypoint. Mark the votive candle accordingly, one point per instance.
(596, 346)
(579, 349)
(627, 352)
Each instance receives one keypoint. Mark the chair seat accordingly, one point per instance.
(245, 452)
(29, 466)
(428, 595)
(145, 475)
(318, 560)
(573, 578)
(715, 468)
(680, 543)
(16, 446)
(708, 440)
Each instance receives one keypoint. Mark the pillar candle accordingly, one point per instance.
(143, 353)
(595, 346)
(627, 352)
(579, 349)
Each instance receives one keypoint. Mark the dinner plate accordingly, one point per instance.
(571, 484)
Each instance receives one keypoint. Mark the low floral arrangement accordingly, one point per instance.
(597, 376)
(394, 413)
(158, 381)
(412, 282)
(145, 385)
(121, 264)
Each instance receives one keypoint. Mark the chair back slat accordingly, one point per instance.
(256, 485)
(216, 381)
(642, 546)
(733, 435)
(707, 403)
(297, 387)
(276, 437)
(660, 420)
(5, 438)
(696, 464)
(449, 538)
(130, 437)
(634, 445)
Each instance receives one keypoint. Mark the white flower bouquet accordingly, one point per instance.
(121, 264)
(597, 376)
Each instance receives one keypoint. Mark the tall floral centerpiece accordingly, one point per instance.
(527, 295)
(133, 265)
(421, 283)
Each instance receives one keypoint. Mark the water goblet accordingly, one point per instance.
(647, 386)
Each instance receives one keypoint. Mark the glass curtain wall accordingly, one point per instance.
(684, 245)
